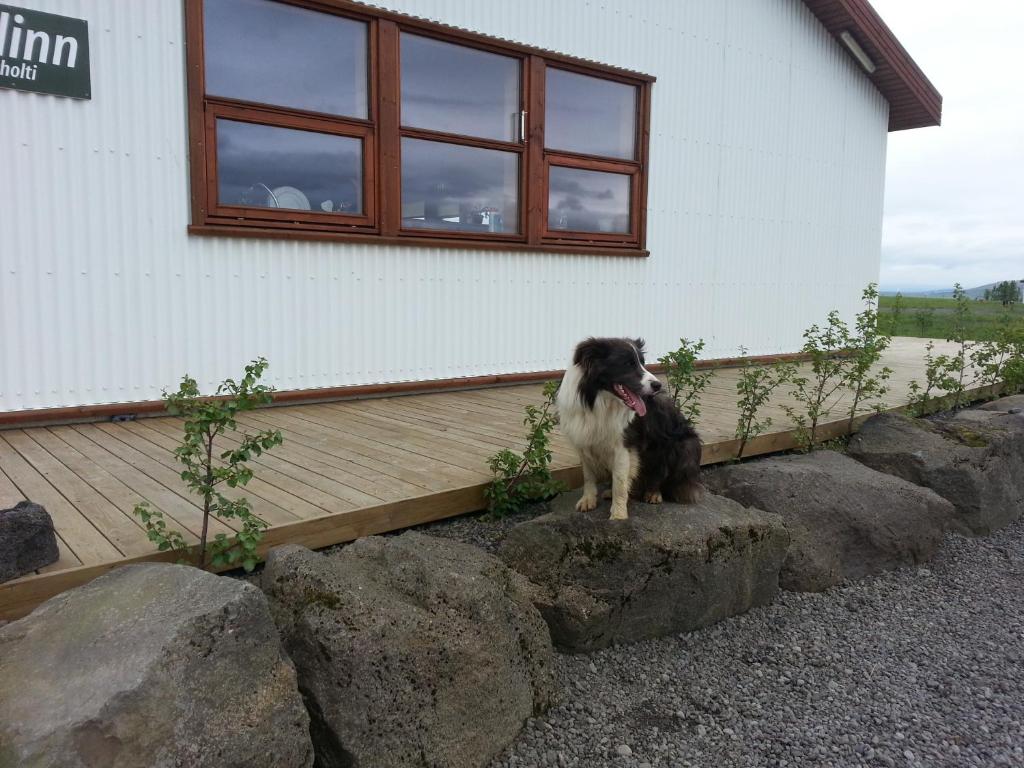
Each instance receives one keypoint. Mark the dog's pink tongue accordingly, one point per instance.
(639, 406)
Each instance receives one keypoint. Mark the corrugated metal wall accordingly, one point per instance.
(767, 170)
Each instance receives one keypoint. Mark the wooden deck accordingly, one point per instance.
(346, 469)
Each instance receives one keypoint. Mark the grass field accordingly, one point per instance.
(933, 318)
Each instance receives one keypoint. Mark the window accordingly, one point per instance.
(331, 120)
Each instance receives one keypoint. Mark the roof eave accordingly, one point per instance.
(913, 101)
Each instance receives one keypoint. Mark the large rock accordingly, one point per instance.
(162, 666)
(974, 459)
(27, 540)
(668, 568)
(1011, 404)
(411, 650)
(846, 520)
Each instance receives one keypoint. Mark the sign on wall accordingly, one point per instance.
(44, 53)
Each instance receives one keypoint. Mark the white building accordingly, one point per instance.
(365, 197)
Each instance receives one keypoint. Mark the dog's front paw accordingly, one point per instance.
(653, 497)
(586, 503)
(619, 512)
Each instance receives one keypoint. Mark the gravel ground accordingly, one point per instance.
(920, 667)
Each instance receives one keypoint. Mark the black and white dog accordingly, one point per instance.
(612, 410)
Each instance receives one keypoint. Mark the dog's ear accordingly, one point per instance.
(639, 344)
(588, 351)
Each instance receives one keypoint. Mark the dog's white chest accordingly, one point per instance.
(596, 433)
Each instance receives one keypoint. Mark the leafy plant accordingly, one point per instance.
(205, 471)
(685, 383)
(1001, 361)
(818, 393)
(754, 388)
(924, 317)
(939, 372)
(894, 314)
(958, 364)
(521, 478)
(866, 346)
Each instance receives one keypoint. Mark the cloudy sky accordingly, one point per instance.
(954, 203)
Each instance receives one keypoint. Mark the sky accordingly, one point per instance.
(954, 200)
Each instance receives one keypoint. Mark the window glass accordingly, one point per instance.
(456, 89)
(449, 186)
(588, 201)
(272, 53)
(268, 167)
(589, 115)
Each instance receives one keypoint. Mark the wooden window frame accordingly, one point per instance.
(381, 134)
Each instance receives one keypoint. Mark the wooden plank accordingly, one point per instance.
(119, 494)
(282, 459)
(425, 444)
(115, 525)
(371, 414)
(509, 432)
(455, 464)
(87, 543)
(330, 443)
(447, 475)
(265, 499)
(172, 499)
(386, 487)
(292, 479)
(9, 493)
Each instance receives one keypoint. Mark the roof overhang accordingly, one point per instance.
(913, 101)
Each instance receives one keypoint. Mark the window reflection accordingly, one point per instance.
(453, 187)
(267, 167)
(456, 89)
(588, 201)
(589, 115)
(272, 53)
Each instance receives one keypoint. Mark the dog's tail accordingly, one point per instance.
(689, 489)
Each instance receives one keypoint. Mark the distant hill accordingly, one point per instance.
(947, 293)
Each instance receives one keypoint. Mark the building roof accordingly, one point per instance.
(913, 101)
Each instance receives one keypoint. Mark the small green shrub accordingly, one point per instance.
(895, 311)
(818, 394)
(1001, 361)
(923, 318)
(754, 389)
(522, 478)
(959, 365)
(686, 384)
(940, 378)
(866, 346)
(207, 418)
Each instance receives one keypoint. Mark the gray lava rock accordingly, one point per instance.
(846, 521)
(668, 568)
(411, 650)
(1011, 404)
(27, 540)
(150, 665)
(975, 459)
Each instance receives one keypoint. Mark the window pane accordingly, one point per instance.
(456, 89)
(588, 201)
(267, 167)
(279, 54)
(589, 115)
(448, 186)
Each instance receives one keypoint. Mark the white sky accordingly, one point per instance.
(954, 202)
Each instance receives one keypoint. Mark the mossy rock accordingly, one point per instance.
(669, 568)
(973, 458)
